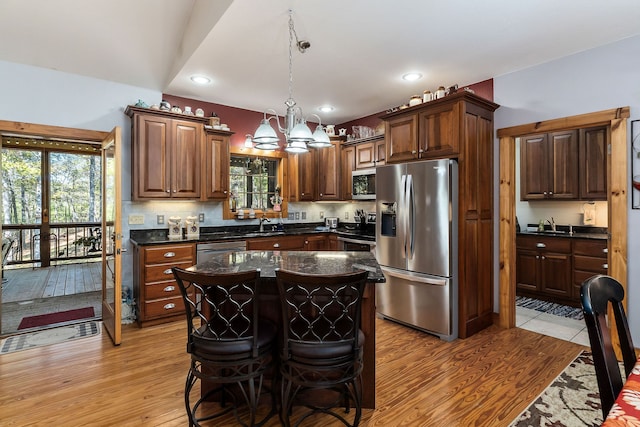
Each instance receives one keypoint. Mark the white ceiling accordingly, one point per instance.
(359, 48)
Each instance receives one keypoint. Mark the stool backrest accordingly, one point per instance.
(597, 294)
(321, 308)
(220, 307)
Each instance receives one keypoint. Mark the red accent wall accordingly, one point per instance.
(244, 122)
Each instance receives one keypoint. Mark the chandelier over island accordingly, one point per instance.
(297, 134)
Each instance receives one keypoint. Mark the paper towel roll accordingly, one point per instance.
(589, 217)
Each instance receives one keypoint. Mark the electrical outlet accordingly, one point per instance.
(346, 214)
(297, 214)
(160, 219)
(201, 217)
(304, 215)
(290, 216)
(135, 219)
(321, 215)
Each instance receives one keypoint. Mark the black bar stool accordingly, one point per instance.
(231, 348)
(596, 294)
(321, 355)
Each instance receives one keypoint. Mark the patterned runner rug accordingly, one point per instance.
(550, 307)
(49, 336)
(572, 399)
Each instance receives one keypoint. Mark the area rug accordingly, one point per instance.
(57, 317)
(550, 307)
(572, 399)
(49, 336)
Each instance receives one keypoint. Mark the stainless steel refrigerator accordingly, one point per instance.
(416, 245)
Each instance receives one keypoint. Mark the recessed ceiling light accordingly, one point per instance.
(326, 108)
(201, 80)
(411, 77)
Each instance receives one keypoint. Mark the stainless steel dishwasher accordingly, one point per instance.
(204, 250)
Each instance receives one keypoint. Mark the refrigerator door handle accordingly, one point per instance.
(413, 278)
(403, 217)
(411, 205)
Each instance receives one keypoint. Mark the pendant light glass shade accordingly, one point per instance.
(320, 138)
(265, 134)
(301, 133)
(296, 147)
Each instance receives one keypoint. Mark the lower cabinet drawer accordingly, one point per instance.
(588, 263)
(160, 272)
(163, 307)
(161, 290)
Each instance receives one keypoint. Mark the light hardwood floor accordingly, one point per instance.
(485, 380)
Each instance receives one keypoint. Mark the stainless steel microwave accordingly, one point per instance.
(363, 184)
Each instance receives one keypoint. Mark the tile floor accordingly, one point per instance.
(554, 326)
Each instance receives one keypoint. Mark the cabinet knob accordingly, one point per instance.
(168, 271)
(537, 256)
(320, 194)
(550, 193)
(168, 191)
(169, 254)
(175, 191)
(169, 306)
(413, 152)
(224, 192)
(545, 193)
(276, 245)
(540, 245)
(605, 266)
(605, 250)
(542, 257)
(169, 289)
(421, 151)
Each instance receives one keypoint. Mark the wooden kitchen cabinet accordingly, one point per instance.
(165, 155)
(458, 126)
(438, 131)
(371, 153)
(291, 243)
(215, 165)
(549, 166)
(328, 175)
(158, 298)
(316, 242)
(593, 163)
(348, 164)
(544, 268)
(402, 138)
(315, 175)
(590, 257)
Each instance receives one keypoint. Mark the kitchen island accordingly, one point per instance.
(309, 262)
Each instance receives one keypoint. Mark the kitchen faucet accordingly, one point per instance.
(262, 220)
(553, 224)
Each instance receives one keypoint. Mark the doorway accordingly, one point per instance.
(51, 222)
(617, 178)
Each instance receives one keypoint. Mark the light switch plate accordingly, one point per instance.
(201, 217)
(304, 215)
(160, 219)
(136, 219)
(297, 215)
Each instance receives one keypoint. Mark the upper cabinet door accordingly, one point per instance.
(564, 165)
(329, 172)
(593, 163)
(185, 171)
(439, 131)
(216, 166)
(151, 154)
(534, 167)
(402, 138)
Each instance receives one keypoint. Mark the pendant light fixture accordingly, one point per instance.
(297, 133)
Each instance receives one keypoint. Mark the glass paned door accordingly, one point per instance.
(112, 231)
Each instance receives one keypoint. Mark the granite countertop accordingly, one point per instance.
(210, 234)
(310, 262)
(582, 232)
